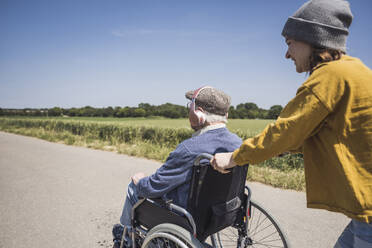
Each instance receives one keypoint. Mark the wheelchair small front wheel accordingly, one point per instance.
(168, 235)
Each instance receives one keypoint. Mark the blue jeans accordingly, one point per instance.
(357, 234)
(125, 219)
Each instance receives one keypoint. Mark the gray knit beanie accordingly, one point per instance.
(321, 23)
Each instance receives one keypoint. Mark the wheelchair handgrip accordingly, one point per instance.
(206, 156)
(202, 156)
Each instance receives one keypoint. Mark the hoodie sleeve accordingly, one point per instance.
(175, 171)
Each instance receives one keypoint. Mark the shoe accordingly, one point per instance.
(116, 244)
(117, 231)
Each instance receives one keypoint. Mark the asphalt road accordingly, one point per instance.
(53, 195)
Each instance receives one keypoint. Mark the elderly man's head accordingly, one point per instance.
(208, 106)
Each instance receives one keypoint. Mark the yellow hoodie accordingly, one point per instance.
(330, 122)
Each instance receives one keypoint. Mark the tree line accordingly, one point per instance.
(241, 111)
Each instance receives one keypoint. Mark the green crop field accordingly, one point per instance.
(247, 126)
(152, 138)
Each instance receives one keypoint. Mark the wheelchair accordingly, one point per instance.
(219, 208)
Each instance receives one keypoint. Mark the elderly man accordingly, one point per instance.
(208, 111)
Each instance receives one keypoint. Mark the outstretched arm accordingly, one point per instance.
(174, 172)
(300, 119)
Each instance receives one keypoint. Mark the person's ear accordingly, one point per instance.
(200, 109)
(199, 112)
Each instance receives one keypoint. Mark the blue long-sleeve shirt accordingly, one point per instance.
(172, 179)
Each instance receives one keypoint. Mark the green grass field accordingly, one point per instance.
(251, 127)
(152, 138)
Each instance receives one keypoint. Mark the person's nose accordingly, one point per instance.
(287, 56)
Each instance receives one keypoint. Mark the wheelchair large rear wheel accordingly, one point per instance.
(170, 236)
(262, 231)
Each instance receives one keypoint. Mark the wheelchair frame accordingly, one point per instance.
(141, 235)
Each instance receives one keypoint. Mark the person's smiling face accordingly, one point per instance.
(300, 53)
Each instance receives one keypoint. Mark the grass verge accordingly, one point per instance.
(284, 172)
(137, 149)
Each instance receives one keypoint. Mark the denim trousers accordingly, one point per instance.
(125, 219)
(357, 234)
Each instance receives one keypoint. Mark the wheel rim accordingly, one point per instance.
(164, 240)
(262, 231)
(168, 235)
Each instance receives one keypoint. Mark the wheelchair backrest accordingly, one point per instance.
(215, 199)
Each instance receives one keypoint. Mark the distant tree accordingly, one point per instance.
(124, 112)
(250, 106)
(240, 106)
(262, 114)
(98, 112)
(108, 112)
(232, 113)
(36, 112)
(44, 112)
(171, 111)
(149, 109)
(274, 112)
(56, 111)
(87, 111)
(139, 112)
(144, 106)
(253, 113)
(116, 111)
(242, 113)
(73, 112)
(64, 111)
(247, 110)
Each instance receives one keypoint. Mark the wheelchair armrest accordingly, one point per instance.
(151, 212)
(159, 201)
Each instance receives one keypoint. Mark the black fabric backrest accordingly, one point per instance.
(215, 199)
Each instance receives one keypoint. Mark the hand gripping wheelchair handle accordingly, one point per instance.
(205, 156)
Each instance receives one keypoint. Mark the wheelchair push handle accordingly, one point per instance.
(202, 156)
(205, 156)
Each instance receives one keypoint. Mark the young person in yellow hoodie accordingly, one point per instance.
(329, 120)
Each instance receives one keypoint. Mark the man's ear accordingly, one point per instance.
(200, 109)
(227, 115)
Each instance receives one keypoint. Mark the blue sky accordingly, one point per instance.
(121, 53)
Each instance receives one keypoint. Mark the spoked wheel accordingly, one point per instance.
(170, 236)
(262, 231)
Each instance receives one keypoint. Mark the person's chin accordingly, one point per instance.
(299, 70)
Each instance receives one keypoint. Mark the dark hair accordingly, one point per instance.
(321, 55)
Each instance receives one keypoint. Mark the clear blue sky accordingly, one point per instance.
(74, 53)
